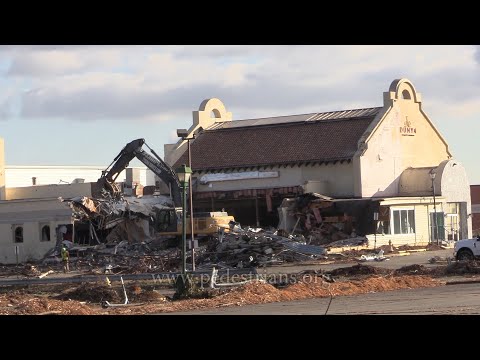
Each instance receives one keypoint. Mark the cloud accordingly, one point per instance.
(477, 53)
(85, 83)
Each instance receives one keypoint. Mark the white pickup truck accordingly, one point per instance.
(467, 249)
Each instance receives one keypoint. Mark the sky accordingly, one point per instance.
(79, 105)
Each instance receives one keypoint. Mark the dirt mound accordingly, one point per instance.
(433, 247)
(358, 269)
(148, 296)
(92, 292)
(463, 267)
(413, 269)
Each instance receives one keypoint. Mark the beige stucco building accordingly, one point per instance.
(31, 218)
(386, 154)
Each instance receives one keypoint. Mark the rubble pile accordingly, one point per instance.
(313, 216)
(123, 258)
(255, 247)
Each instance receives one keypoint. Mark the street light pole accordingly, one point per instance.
(184, 228)
(184, 173)
(183, 134)
(190, 195)
(435, 227)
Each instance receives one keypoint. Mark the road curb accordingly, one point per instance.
(463, 282)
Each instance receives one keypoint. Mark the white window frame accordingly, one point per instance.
(392, 225)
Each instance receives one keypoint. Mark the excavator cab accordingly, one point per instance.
(165, 220)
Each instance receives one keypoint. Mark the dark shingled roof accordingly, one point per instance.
(316, 138)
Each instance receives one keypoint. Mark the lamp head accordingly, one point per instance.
(182, 133)
(184, 173)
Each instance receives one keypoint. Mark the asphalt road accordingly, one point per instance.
(449, 299)
(394, 262)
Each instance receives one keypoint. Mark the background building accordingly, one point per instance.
(18, 176)
(475, 193)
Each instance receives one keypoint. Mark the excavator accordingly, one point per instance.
(167, 221)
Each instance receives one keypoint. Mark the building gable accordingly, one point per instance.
(394, 141)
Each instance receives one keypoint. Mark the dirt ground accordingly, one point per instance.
(86, 299)
(146, 297)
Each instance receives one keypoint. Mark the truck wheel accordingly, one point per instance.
(465, 254)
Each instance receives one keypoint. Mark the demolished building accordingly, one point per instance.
(381, 158)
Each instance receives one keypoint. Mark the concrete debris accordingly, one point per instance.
(130, 230)
(355, 241)
(374, 257)
(45, 274)
(316, 218)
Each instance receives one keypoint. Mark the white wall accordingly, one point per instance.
(389, 150)
(338, 178)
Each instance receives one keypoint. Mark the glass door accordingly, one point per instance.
(451, 227)
(437, 230)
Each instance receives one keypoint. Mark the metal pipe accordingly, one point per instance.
(257, 220)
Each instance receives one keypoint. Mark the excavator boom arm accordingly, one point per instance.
(156, 164)
(164, 172)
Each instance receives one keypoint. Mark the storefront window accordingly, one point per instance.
(403, 221)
